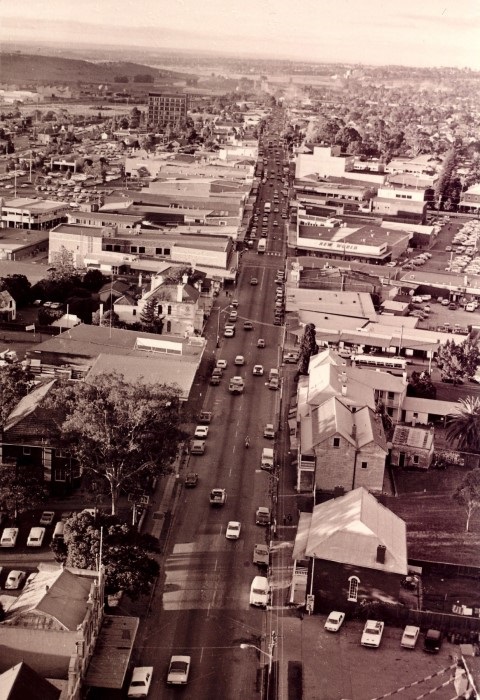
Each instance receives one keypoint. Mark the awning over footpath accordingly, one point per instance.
(109, 663)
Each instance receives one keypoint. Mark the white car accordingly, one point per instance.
(222, 364)
(141, 681)
(269, 431)
(229, 332)
(201, 431)
(372, 633)
(178, 670)
(233, 530)
(259, 592)
(15, 579)
(239, 360)
(9, 537)
(410, 636)
(47, 517)
(257, 370)
(334, 621)
(35, 538)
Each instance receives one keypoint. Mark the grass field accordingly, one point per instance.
(435, 523)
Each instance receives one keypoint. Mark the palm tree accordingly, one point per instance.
(464, 428)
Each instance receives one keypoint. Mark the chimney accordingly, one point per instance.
(184, 278)
(344, 389)
(179, 292)
(405, 378)
(381, 551)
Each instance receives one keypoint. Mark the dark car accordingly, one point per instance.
(248, 325)
(191, 480)
(433, 641)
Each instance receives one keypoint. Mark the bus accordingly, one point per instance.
(394, 365)
(262, 245)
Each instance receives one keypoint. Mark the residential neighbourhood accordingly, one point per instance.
(193, 263)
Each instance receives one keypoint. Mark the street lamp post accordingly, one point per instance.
(269, 654)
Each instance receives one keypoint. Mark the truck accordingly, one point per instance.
(262, 245)
(267, 459)
(236, 385)
(218, 497)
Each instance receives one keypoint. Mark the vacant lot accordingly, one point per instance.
(435, 523)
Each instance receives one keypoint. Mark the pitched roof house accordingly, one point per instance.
(356, 549)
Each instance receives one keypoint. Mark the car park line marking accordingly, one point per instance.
(422, 680)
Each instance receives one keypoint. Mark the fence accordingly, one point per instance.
(446, 570)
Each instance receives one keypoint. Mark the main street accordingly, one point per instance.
(201, 604)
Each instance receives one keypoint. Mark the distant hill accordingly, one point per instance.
(22, 69)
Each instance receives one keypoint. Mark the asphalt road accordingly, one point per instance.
(201, 607)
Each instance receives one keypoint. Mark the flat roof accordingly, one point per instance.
(34, 205)
(108, 665)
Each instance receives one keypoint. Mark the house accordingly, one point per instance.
(21, 681)
(355, 551)
(8, 306)
(28, 442)
(62, 610)
(341, 447)
(412, 447)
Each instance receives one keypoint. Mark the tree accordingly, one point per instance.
(20, 491)
(149, 318)
(18, 286)
(109, 318)
(444, 178)
(468, 494)
(14, 385)
(420, 385)
(464, 428)
(458, 361)
(125, 553)
(93, 280)
(63, 268)
(119, 432)
(308, 347)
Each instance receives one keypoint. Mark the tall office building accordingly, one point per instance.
(166, 108)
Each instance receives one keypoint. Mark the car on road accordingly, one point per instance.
(218, 497)
(261, 555)
(239, 360)
(261, 343)
(274, 383)
(262, 516)
(247, 325)
(198, 447)
(433, 641)
(191, 480)
(205, 417)
(372, 633)
(410, 636)
(257, 370)
(229, 332)
(15, 579)
(234, 303)
(47, 517)
(290, 358)
(269, 431)
(35, 537)
(277, 320)
(259, 592)
(9, 537)
(201, 432)
(334, 621)
(445, 302)
(233, 530)
(254, 281)
(141, 681)
(233, 315)
(178, 670)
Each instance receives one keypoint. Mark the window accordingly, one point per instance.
(166, 251)
(134, 312)
(60, 474)
(169, 326)
(141, 249)
(364, 465)
(158, 251)
(133, 248)
(353, 582)
(336, 442)
(416, 459)
(415, 415)
(390, 395)
(169, 310)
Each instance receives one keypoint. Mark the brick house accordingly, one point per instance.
(412, 447)
(8, 306)
(353, 549)
(341, 446)
(28, 443)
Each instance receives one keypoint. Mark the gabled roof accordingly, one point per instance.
(326, 380)
(349, 529)
(359, 427)
(21, 681)
(327, 356)
(27, 416)
(53, 599)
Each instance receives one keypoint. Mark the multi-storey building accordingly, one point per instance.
(166, 108)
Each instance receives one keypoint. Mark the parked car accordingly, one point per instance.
(35, 537)
(201, 432)
(269, 431)
(410, 636)
(290, 358)
(15, 579)
(372, 633)
(198, 447)
(141, 681)
(259, 592)
(334, 621)
(47, 517)
(191, 480)
(9, 537)
(433, 641)
(178, 670)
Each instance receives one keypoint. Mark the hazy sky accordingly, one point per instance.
(410, 32)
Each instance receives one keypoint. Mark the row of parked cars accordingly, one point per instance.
(373, 631)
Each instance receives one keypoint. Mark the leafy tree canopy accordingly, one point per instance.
(458, 361)
(20, 491)
(125, 553)
(420, 385)
(18, 286)
(468, 494)
(308, 347)
(118, 431)
(14, 385)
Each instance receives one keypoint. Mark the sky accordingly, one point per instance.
(402, 32)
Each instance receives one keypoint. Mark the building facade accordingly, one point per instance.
(166, 108)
